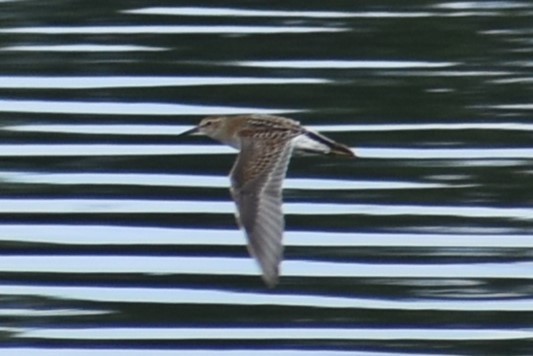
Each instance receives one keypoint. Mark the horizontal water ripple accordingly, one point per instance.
(124, 235)
(124, 108)
(223, 297)
(64, 150)
(166, 130)
(145, 206)
(97, 82)
(169, 29)
(247, 267)
(189, 180)
(482, 5)
(82, 48)
(344, 64)
(49, 312)
(457, 9)
(270, 333)
(233, 12)
(146, 350)
(518, 106)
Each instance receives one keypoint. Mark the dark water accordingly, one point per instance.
(118, 238)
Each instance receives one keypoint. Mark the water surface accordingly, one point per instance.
(118, 237)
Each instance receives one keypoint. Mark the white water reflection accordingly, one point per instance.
(499, 126)
(345, 64)
(123, 108)
(525, 106)
(100, 351)
(170, 29)
(29, 313)
(164, 130)
(82, 48)
(146, 206)
(234, 12)
(526, 80)
(106, 129)
(246, 267)
(125, 235)
(64, 150)
(450, 73)
(185, 180)
(222, 297)
(455, 9)
(483, 5)
(459, 154)
(97, 82)
(274, 333)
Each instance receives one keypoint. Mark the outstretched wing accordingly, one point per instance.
(256, 187)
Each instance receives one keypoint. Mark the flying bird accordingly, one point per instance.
(265, 145)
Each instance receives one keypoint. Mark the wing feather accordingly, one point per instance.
(256, 187)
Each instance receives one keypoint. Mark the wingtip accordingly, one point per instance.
(270, 275)
(270, 270)
(271, 281)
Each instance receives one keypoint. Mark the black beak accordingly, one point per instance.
(193, 131)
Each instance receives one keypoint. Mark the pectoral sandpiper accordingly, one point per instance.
(266, 144)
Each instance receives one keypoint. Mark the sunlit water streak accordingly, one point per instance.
(94, 82)
(123, 108)
(124, 235)
(525, 106)
(233, 12)
(101, 351)
(169, 130)
(146, 206)
(82, 48)
(452, 73)
(184, 180)
(526, 80)
(273, 333)
(344, 64)
(65, 150)
(482, 5)
(223, 297)
(170, 29)
(457, 9)
(245, 266)
(25, 313)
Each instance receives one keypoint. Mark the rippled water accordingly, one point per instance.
(118, 238)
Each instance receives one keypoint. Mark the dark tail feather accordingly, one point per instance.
(335, 147)
(342, 150)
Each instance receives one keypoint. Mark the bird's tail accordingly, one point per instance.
(314, 142)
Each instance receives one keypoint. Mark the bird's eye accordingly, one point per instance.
(208, 123)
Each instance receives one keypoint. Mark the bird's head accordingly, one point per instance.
(212, 126)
